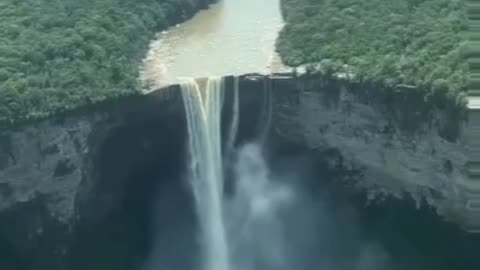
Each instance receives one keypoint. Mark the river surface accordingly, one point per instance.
(232, 37)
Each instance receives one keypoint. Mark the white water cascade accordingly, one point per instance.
(203, 105)
(241, 231)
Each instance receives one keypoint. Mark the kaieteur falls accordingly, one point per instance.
(251, 203)
(231, 225)
(203, 105)
(248, 216)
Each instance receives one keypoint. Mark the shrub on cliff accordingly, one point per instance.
(392, 42)
(56, 55)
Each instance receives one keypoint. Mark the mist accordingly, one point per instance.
(273, 220)
(241, 204)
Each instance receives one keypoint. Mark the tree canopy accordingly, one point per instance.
(391, 42)
(56, 55)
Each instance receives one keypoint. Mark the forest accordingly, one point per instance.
(57, 55)
(414, 43)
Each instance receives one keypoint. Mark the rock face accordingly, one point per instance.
(66, 181)
(400, 148)
(40, 176)
(61, 177)
(53, 153)
(50, 175)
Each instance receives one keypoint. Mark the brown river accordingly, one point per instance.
(232, 37)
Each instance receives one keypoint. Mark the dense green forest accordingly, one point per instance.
(389, 42)
(56, 55)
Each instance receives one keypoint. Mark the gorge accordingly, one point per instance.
(124, 159)
(237, 164)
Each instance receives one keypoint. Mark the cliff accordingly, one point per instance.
(50, 177)
(402, 146)
(66, 181)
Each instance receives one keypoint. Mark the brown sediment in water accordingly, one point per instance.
(230, 38)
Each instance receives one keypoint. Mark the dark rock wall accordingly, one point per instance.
(74, 188)
(83, 182)
(400, 144)
(75, 169)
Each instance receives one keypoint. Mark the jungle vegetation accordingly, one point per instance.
(57, 55)
(412, 43)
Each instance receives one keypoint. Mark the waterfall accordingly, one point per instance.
(203, 104)
(241, 231)
(266, 114)
(232, 135)
(256, 233)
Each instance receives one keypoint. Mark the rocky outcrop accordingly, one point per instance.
(402, 147)
(53, 154)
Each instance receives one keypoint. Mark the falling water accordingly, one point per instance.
(203, 105)
(256, 232)
(266, 115)
(232, 135)
(239, 231)
(264, 221)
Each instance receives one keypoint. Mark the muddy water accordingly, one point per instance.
(231, 37)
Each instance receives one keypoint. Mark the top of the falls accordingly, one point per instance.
(230, 38)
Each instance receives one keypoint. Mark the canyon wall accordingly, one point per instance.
(64, 174)
(402, 146)
(50, 175)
